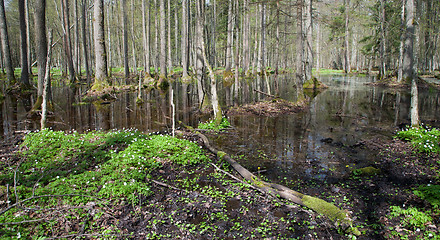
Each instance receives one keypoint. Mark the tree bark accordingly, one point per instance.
(5, 45)
(41, 45)
(28, 37)
(146, 34)
(299, 52)
(185, 39)
(246, 32)
(347, 65)
(84, 40)
(125, 37)
(163, 41)
(230, 26)
(100, 51)
(308, 24)
(402, 44)
(67, 41)
(408, 59)
(169, 58)
(46, 84)
(133, 38)
(24, 47)
(382, 40)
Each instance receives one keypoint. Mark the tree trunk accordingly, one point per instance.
(146, 34)
(230, 26)
(40, 45)
(67, 41)
(318, 39)
(5, 45)
(156, 38)
(246, 32)
(163, 42)
(382, 40)
(299, 52)
(100, 51)
(170, 60)
(28, 37)
(415, 122)
(125, 37)
(408, 59)
(133, 38)
(84, 40)
(109, 32)
(46, 83)
(76, 47)
(308, 24)
(347, 65)
(185, 40)
(402, 42)
(24, 47)
(214, 98)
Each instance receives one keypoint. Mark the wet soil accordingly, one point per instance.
(200, 202)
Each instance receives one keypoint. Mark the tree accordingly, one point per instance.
(5, 45)
(100, 51)
(84, 39)
(163, 42)
(230, 32)
(40, 46)
(146, 34)
(299, 51)
(308, 28)
(185, 40)
(347, 65)
(125, 37)
(200, 13)
(408, 56)
(67, 41)
(24, 47)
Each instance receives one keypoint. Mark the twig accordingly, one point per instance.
(168, 186)
(42, 196)
(22, 222)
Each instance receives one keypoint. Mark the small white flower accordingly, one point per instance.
(19, 235)
(125, 184)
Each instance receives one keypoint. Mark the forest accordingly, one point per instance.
(220, 119)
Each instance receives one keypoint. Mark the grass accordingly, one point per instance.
(423, 139)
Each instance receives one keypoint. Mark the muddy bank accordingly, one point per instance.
(269, 108)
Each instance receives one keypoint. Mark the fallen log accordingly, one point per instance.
(339, 217)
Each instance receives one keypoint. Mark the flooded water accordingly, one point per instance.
(327, 137)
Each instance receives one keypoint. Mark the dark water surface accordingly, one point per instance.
(326, 138)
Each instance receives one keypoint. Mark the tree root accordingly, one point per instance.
(339, 217)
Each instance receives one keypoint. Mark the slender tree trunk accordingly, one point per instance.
(28, 37)
(318, 39)
(402, 42)
(133, 37)
(408, 59)
(163, 41)
(185, 39)
(46, 84)
(67, 41)
(76, 47)
(246, 32)
(5, 45)
(237, 56)
(299, 52)
(382, 40)
(414, 104)
(230, 26)
(24, 47)
(308, 23)
(347, 65)
(109, 33)
(84, 39)
(100, 51)
(146, 34)
(40, 45)
(170, 60)
(125, 37)
(176, 37)
(156, 38)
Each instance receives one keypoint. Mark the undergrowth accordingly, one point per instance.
(75, 169)
(423, 139)
(211, 125)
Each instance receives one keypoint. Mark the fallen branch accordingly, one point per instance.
(267, 94)
(42, 196)
(22, 222)
(339, 217)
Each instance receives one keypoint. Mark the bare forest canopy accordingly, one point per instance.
(353, 35)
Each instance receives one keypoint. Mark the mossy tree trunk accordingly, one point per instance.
(24, 48)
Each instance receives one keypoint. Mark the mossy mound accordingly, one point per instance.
(314, 83)
(366, 171)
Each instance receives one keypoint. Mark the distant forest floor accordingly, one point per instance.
(199, 200)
